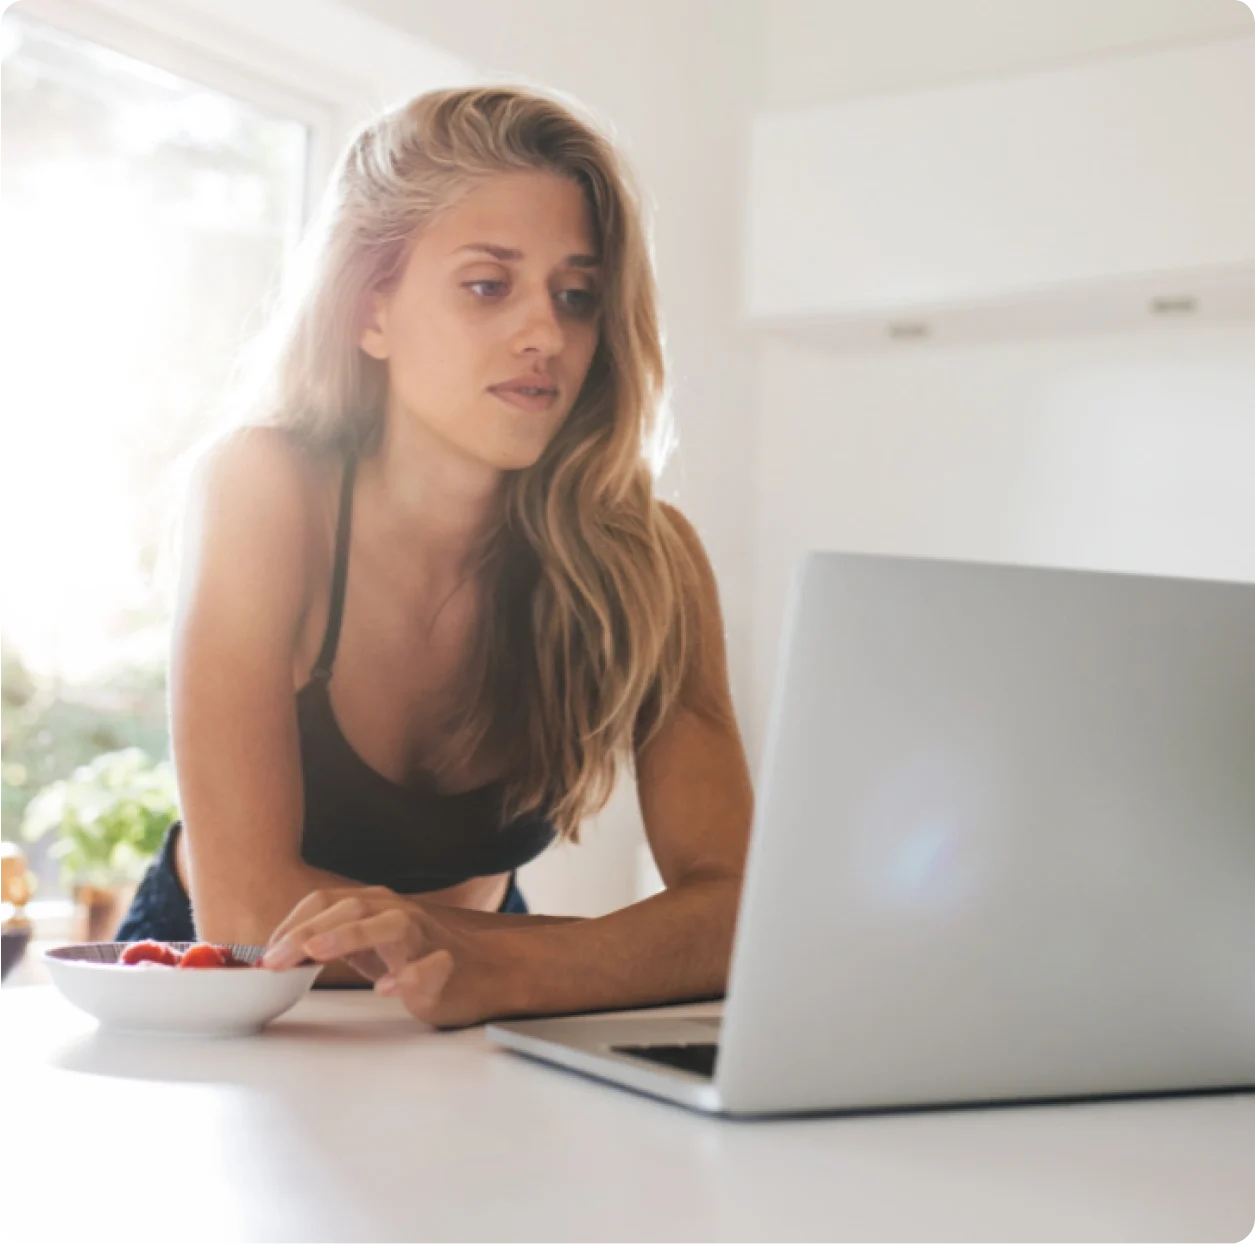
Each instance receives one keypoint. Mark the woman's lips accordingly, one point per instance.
(533, 402)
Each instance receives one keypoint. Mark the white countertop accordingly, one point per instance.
(348, 1121)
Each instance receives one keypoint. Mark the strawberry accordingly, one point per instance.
(203, 955)
(150, 952)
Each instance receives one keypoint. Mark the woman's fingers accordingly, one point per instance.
(368, 963)
(308, 908)
(338, 931)
(395, 956)
(383, 936)
(387, 928)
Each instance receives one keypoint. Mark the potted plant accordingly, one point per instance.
(110, 817)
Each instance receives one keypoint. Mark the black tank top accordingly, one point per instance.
(362, 825)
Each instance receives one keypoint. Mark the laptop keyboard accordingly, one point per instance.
(699, 1058)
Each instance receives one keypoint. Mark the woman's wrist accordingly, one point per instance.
(509, 970)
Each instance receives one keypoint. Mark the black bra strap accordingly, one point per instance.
(339, 574)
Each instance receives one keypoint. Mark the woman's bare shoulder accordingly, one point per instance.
(259, 509)
(263, 472)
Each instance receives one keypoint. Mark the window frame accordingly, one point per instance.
(222, 64)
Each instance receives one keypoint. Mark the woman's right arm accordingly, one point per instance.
(243, 594)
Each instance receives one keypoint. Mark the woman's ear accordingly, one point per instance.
(372, 336)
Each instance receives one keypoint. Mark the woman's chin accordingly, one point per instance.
(516, 456)
(521, 463)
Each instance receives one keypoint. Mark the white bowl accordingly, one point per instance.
(192, 1002)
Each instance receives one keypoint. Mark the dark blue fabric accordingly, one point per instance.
(161, 909)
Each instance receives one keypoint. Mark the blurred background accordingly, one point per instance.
(939, 277)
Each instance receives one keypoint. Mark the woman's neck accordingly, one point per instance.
(430, 499)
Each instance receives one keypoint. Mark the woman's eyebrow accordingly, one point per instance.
(506, 255)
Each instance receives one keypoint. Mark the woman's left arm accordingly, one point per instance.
(697, 803)
(454, 967)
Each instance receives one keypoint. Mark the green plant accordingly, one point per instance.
(110, 816)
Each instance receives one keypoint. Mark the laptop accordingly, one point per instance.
(1004, 850)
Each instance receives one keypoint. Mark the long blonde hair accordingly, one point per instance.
(582, 655)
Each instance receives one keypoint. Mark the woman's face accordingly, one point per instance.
(499, 294)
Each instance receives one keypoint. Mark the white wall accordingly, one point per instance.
(822, 51)
(1127, 452)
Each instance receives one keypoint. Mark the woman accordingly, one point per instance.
(429, 602)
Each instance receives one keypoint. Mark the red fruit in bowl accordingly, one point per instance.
(150, 952)
(203, 955)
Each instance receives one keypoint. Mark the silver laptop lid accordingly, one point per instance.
(1005, 840)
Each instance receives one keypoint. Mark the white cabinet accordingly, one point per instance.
(1065, 198)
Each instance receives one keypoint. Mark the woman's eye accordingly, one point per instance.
(582, 302)
(490, 289)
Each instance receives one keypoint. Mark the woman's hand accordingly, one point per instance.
(423, 953)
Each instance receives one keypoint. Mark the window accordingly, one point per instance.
(146, 216)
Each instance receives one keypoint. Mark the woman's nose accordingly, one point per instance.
(540, 331)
